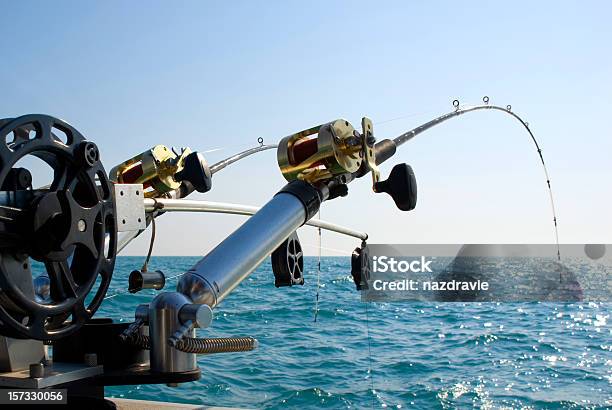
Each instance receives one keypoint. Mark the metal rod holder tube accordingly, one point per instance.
(214, 277)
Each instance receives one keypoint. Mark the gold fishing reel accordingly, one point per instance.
(155, 168)
(161, 170)
(326, 151)
(337, 151)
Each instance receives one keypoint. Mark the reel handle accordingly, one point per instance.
(196, 173)
(401, 186)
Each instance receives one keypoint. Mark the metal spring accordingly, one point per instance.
(216, 345)
(200, 345)
(139, 340)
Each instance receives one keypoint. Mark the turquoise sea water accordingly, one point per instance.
(423, 355)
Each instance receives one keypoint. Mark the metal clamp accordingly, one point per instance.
(130, 207)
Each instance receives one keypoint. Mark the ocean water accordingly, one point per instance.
(418, 355)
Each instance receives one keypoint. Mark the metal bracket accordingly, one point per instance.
(368, 149)
(130, 207)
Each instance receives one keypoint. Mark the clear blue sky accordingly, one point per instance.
(220, 74)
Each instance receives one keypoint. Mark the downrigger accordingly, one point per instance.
(59, 242)
(70, 231)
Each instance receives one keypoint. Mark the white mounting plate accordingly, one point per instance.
(129, 200)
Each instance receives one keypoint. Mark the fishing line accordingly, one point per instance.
(123, 292)
(340, 251)
(208, 151)
(369, 353)
(404, 116)
(316, 312)
(318, 246)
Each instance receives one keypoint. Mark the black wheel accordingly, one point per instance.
(360, 267)
(68, 226)
(288, 263)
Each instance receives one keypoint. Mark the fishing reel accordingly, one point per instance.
(337, 152)
(161, 170)
(336, 149)
(67, 227)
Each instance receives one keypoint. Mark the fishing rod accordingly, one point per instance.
(235, 158)
(77, 225)
(386, 148)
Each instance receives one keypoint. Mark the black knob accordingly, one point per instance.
(196, 172)
(88, 154)
(402, 187)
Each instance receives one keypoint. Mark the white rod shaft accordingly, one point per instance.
(187, 205)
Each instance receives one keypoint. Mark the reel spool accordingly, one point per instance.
(321, 152)
(69, 226)
(337, 150)
(288, 263)
(154, 169)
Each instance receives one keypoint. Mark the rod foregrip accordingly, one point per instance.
(384, 150)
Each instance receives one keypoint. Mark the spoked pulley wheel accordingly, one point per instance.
(288, 263)
(68, 227)
(360, 267)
